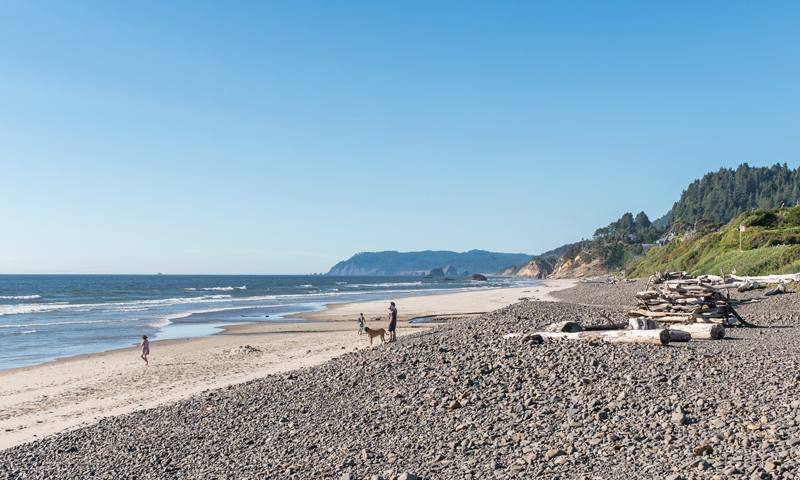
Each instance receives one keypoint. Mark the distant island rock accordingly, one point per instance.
(436, 272)
(422, 263)
(451, 271)
(478, 277)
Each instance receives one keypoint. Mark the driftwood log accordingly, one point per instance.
(649, 337)
(611, 326)
(701, 331)
(678, 336)
(747, 285)
(564, 327)
(769, 279)
(781, 288)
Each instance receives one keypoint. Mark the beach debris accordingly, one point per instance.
(729, 280)
(643, 323)
(564, 327)
(651, 333)
(650, 337)
(701, 331)
(674, 297)
(607, 278)
(747, 285)
(242, 350)
(781, 288)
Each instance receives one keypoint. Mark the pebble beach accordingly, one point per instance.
(459, 401)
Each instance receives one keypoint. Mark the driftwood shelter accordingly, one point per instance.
(675, 297)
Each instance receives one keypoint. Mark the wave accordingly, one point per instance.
(221, 289)
(384, 285)
(55, 324)
(119, 306)
(20, 297)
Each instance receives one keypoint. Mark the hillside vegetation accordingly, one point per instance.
(616, 244)
(770, 244)
(720, 196)
(705, 206)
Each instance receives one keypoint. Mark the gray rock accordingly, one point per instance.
(678, 418)
(555, 453)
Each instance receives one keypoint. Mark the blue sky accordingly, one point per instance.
(282, 137)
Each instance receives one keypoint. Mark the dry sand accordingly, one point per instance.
(69, 393)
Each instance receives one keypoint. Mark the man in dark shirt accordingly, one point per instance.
(392, 323)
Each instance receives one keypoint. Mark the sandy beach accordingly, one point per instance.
(42, 400)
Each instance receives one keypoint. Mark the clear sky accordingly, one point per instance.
(281, 137)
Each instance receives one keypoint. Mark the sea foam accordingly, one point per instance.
(19, 297)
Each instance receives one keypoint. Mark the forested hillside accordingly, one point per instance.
(719, 196)
(616, 244)
(420, 263)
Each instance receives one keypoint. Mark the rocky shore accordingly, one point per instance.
(461, 402)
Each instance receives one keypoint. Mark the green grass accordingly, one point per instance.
(770, 244)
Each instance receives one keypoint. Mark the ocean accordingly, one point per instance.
(45, 317)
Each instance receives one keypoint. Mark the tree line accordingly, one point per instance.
(720, 196)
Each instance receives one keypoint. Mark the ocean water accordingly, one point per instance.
(45, 317)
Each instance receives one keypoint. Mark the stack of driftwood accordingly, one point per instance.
(675, 297)
(694, 308)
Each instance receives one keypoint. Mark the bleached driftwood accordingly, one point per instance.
(689, 300)
(781, 288)
(769, 279)
(747, 286)
(650, 337)
(564, 327)
(642, 324)
(701, 331)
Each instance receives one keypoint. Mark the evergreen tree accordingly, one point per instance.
(720, 196)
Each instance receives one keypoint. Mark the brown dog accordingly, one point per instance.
(372, 333)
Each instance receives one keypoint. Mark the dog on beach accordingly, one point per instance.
(372, 333)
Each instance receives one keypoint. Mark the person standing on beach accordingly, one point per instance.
(392, 323)
(145, 349)
(361, 324)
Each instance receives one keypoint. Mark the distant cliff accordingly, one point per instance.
(421, 263)
(536, 268)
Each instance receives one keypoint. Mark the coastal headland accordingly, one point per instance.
(78, 391)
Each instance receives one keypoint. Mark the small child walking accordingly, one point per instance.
(361, 324)
(145, 349)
